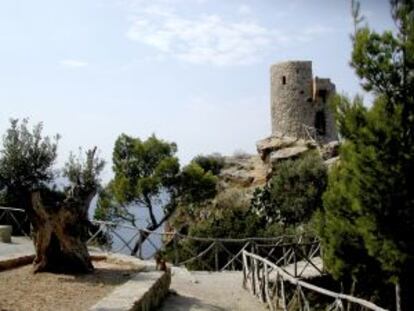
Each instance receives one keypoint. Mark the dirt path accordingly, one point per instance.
(217, 291)
(21, 290)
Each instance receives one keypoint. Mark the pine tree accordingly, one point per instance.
(368, 219)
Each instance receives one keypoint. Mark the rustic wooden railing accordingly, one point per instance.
(204, 253)
(16, 217)
(273, 270)
(216, 254)
(282, 291)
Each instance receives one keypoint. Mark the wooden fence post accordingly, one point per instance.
(216, 257)
(175, 245)
(398, 296)
(253, 268)
(244, 270)
(295, 260)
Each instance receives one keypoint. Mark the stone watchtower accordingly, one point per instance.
(299, 103)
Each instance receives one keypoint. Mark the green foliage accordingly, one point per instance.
(384, 61)
(294, 193)
(229, 216)
(84, 171)
(372, 182)
(142, 168)
(196, 184)
(368, 217)
(211, 163)
(283, 207)
(26, 161)
(148, 173)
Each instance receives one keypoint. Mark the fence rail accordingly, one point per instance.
(16, 217)
(273, 270)
(205, 253)
(282, 291)
(216, 254)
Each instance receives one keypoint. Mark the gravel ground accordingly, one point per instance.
(21, 290)
(204, 291)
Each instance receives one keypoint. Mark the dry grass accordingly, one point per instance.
(21, 290)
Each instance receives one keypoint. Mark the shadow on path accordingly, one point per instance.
(175, 302)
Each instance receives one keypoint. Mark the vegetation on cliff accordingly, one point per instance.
(148, 174)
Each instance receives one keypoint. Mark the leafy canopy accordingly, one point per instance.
(26, 161)
(210, 163)
(148, 173)
(294, 193)
(26, 165)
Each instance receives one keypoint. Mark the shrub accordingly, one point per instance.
(210, 163)
(294, 193)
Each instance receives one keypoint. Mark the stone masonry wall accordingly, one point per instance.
(296, 100)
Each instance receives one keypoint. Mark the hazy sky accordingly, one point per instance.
(191, 71)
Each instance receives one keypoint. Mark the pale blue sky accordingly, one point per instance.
(191, 71)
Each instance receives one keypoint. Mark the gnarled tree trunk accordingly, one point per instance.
(60, 233)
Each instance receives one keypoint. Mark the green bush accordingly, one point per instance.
(229, 217)
(210, 163)
(294, 193)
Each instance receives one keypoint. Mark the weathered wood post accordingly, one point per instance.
(175, 246)
(398, 297)
(253, 246)
(253, 268)
(277, 290)
(262, 282)
(295, 260)
(266, 287)
(216, 257)
(140, 245)
(283, 294)
(244, 270)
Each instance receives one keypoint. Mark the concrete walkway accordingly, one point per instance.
(191, 291)
(215, 291)
(17, 246)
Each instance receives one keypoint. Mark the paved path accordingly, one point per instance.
(215, 291)
(18, 245)
(192, 291)
(305, 270)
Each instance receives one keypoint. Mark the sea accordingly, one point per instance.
(124, 238)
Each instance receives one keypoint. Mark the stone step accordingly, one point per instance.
(5, 233)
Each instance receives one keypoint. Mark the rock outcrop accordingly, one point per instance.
(330, 150)
(273, 146)
(275, 149)
(287, 153)
(332, 162)
(243, 171)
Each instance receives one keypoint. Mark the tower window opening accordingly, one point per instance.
(323, 94)
(284, 80)
(320, 123)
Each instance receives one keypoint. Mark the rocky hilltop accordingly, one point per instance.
(275, 149)
(246, 171)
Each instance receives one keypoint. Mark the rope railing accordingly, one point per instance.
(282, 291)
